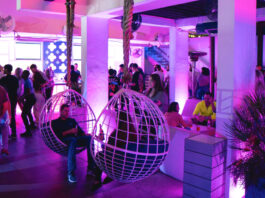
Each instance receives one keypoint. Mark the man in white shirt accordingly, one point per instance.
(160, 72)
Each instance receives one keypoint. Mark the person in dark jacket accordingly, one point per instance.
(10, 83)
(74, 79)
(29, 100)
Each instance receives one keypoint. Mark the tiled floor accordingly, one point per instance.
(32, 170)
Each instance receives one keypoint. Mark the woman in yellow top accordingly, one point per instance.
(205, 110)
(174, 119)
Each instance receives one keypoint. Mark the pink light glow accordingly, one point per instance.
(181, 95)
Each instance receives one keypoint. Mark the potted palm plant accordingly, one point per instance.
(247, 132)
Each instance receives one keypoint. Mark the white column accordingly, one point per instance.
(178, 66)
(236, 61)
(95, 62)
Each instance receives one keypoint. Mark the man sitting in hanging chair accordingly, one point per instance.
(69, 132)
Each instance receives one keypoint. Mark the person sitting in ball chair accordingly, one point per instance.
(69, 132)
(126, 150)
(125, 129)
(118, 139)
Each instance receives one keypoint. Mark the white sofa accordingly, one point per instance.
(174, 162)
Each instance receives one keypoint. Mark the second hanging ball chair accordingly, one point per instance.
(136, 137)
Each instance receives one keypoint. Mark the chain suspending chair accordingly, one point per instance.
(79, 108)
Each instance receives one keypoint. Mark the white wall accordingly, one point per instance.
(115, 55)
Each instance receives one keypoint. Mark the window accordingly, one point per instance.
(77, 52)
(28, 51)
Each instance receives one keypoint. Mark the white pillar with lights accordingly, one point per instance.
(178, 66)
(95, 62)
(236, 62)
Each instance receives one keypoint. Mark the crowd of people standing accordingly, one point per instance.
(156, 87)
(29, 89)
(28, 92)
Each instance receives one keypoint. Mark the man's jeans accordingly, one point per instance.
(4, 131)
(74, 142)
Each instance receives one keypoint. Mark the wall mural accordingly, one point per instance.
(54, 55)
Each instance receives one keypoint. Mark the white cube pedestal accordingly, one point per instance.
(204, 166)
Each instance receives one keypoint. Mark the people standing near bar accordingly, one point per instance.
(10, 83)
(29, 100)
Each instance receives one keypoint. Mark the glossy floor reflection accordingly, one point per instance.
(32, 170)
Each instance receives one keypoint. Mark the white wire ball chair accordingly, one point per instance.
(136, 137)
(79, 110)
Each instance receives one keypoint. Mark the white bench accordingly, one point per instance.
(174, 162)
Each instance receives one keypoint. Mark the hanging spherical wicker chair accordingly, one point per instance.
(136, 137)
(79, 110)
